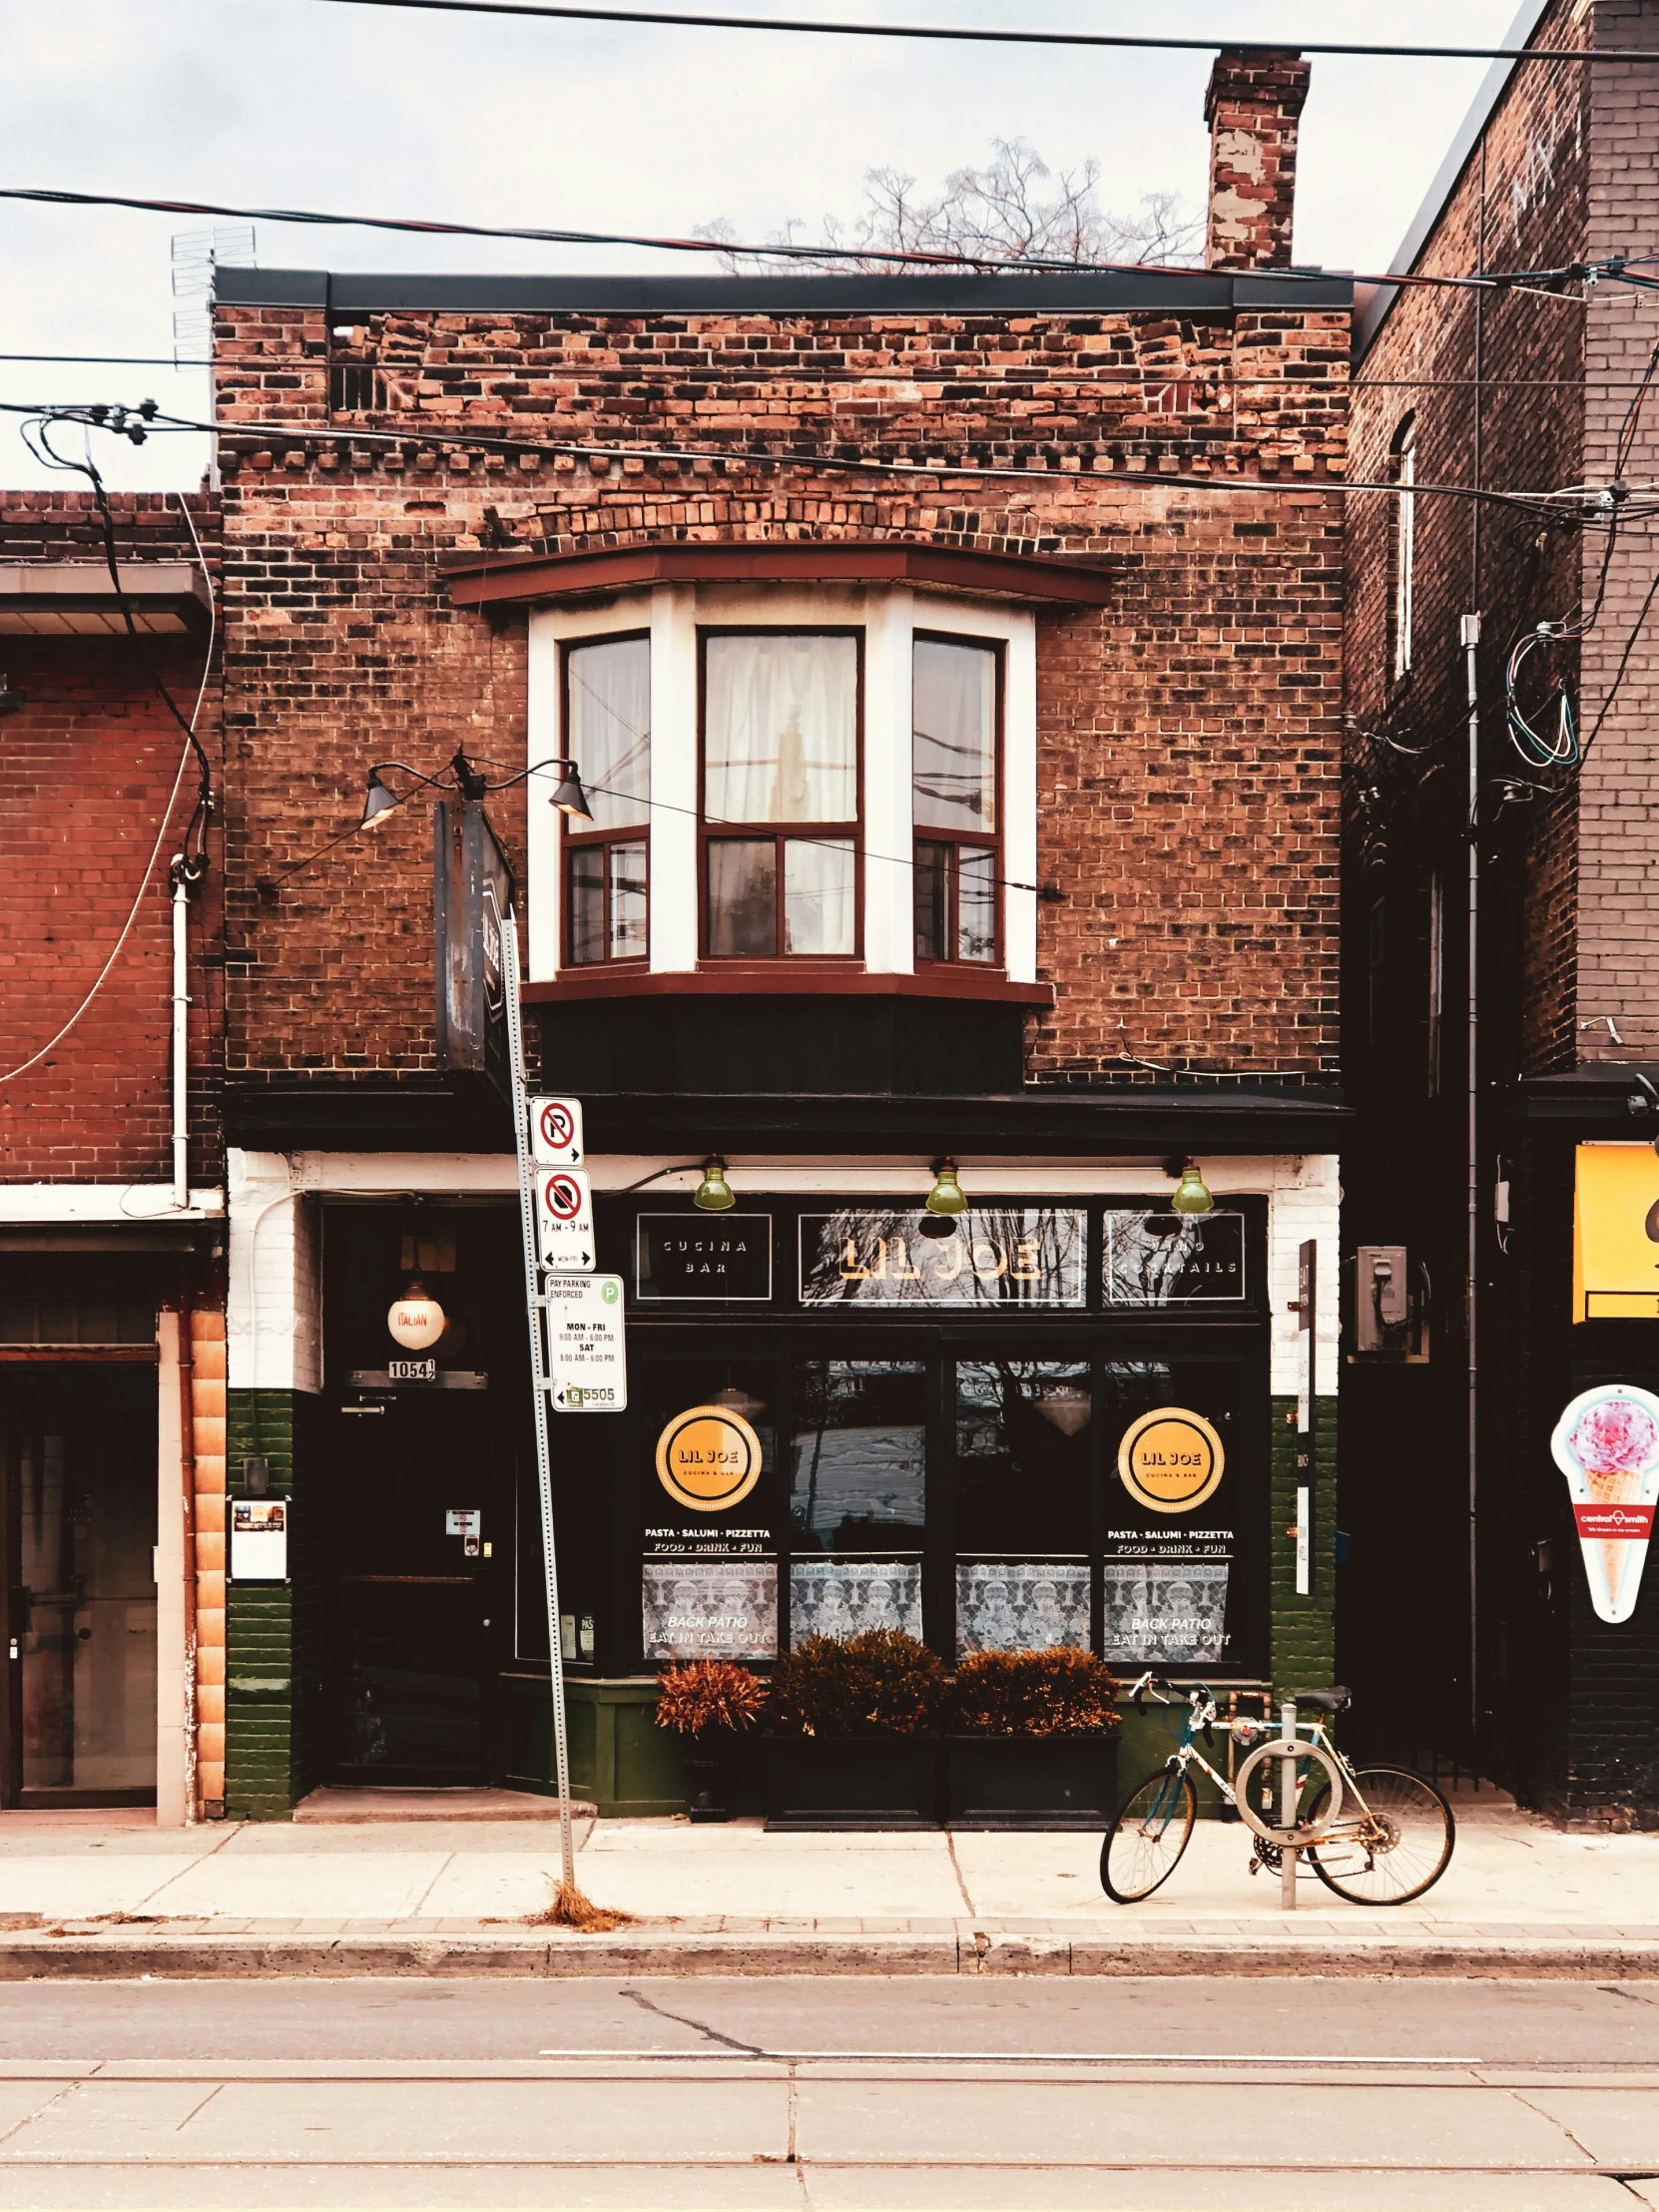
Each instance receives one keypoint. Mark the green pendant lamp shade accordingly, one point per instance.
(714, 1195)
(947, 1195)
(1192, 1193)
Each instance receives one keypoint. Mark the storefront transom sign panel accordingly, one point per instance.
(1615, 1244)
(692, 1258)
(1156, 1256)
(991, 1256)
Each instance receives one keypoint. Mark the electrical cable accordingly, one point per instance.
(11, 1074)
(990, 37)
(1532, 282)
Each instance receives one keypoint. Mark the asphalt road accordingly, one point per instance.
(850, 2095)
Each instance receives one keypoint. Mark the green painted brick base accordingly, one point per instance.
(264, 1769)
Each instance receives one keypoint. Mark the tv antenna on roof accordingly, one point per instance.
(196, 255)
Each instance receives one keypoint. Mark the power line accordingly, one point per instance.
(1535, 504)
(1529, 280)
(967, 35)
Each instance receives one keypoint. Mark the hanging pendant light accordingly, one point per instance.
(1192, 1194)
(570, 797)
(714, 1195)
(1066, 1407)
(378, 802)
(738, 1400)
(416, 1321)
(948, 1196)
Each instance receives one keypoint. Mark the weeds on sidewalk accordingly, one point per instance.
(570, 1909)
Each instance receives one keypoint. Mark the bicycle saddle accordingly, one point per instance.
(1337, 1700)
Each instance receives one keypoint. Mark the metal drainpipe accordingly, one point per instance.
(1470, 640)
(181, 876)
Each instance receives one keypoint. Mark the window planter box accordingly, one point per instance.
(853, 1782)
(1031, 1780)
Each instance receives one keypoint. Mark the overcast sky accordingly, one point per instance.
(308, 104)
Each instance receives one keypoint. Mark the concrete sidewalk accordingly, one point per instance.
(112, 1894)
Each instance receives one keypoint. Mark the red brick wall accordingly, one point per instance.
(1519, 204)
(89, 764)
(1190, 739)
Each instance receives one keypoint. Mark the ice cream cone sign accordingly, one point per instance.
(1606, 1443)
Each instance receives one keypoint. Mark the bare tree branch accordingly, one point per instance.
(1013, 209)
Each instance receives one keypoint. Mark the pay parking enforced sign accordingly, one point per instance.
(564, 1219)
(586, 1349)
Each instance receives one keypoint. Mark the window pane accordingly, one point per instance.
(1023, 1456)
(781, 740)
(628, 903)
(858, 1456)
(586, 867)
(609, 726)
(1022, 1605)
(954, 717)
(819, 881)
(843, 1597)
(975, 903)
(743, 899)
(930, 887)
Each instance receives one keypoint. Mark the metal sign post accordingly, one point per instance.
(1286, 1810)
(533, 1306)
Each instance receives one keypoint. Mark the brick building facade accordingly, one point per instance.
(953, 665)
(112, 1332)
(1507, 392)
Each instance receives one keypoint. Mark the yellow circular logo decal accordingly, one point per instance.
(707, 1459)
(1171, 1460)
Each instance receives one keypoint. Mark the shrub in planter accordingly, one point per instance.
(708, 1704)
(1032, 1693)
(879, 1683)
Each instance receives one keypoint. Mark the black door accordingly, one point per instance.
(77, 1584)
(423, 1564)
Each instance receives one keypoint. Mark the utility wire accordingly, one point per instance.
(962, 32)
(1529, 280)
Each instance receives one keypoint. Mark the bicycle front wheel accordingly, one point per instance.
(1391, 1841)
(1143, 1844)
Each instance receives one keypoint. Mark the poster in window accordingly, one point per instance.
(1152, 1256)
(709, 1608)
(1166, 1596)
(993, 1258)
(1022, 1605)
(843, 1597)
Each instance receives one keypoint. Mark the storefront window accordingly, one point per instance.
(1022, 1456)
(859, 1459)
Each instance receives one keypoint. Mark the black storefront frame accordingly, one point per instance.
(781, 1332)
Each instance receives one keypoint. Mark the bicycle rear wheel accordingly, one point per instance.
(1391, 1841)
(1143, 1844)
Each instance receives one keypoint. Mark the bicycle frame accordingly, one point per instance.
(1257, 1736)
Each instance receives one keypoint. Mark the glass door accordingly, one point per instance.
(78, 1586)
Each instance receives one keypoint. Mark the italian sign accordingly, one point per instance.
(258, 1539)
(1170, 1460)
(556, 1132)
(564, 1218)
(991, 1256)
(707, 1459)
(689, 1256)
(1606, 1443)
(1615, 1244)
(1156, 1256)
(710, 1609)
(586, 1349)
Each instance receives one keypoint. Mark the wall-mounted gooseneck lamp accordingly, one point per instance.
(380, 800)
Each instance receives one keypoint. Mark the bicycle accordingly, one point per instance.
(1376, 1835)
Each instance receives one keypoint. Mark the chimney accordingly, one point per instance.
(1251, 105)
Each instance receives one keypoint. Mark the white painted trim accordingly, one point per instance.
(1019, 799)
(273, 1301)
(126, 1205)
(889, 922)
(673, 831)
(542, 823)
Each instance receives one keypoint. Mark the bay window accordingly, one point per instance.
(955, 717)
(607, 722)
(780, 802)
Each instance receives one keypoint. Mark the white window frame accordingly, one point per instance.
(890, 616)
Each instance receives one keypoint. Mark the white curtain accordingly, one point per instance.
(780, 735)
(953, 726)
(609, 726)
(819, 877)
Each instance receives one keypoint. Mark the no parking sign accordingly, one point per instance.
(564, 1219)
(556, 1132)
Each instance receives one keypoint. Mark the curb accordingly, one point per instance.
(194, 1957)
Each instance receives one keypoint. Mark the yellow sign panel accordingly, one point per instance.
(707, 1459)
(1615, 1241)
(1171, 1460)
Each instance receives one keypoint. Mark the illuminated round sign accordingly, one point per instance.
(708, 1458)
(1171, 1460)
